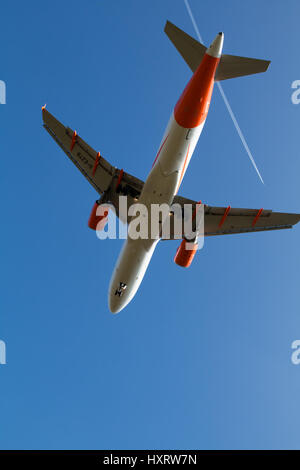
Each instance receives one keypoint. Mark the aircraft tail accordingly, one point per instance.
(230, 66)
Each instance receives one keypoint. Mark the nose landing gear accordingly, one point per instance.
(121, 289)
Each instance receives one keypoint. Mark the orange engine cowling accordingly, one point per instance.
(98, 222)
(185, 253)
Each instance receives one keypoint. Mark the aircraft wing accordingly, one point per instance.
(227, 220)
(98, 171)
(106, 178)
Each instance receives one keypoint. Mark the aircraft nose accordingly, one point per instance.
(115, 303)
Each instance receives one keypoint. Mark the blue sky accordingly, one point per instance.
(201, 357)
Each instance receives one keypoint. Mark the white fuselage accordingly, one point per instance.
(162, 184)
(163, 181)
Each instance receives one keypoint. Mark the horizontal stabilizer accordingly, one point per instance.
(230, 66)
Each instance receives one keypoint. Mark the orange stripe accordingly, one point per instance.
(224, 216)
(160, 148)
(184, 165)
(192, 107)
(96, 163)
(73, 140)
(257, 217)
(195, 210)
(120, 178)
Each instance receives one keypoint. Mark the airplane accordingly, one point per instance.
(172, 159)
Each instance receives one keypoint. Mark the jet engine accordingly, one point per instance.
(185, 253)
(98, 222)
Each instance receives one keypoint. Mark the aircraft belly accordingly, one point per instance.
(130, 270)
(176, 150)
(160, 187)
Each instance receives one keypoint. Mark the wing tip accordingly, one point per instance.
(44, 111)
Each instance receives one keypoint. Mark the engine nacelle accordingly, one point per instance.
(98, 222)
(185, 253)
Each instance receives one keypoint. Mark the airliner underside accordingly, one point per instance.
(170, 164)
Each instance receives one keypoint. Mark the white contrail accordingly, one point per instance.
(225, 99)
